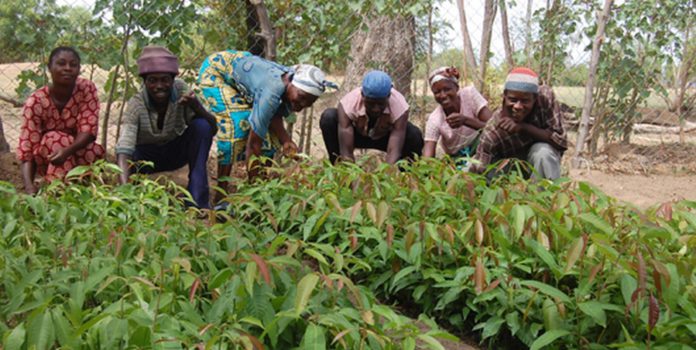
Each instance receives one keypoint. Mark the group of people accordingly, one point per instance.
(242, 102)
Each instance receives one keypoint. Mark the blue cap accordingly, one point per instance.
(376, 84)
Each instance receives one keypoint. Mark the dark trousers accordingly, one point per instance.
(413, 143)
(191, 148)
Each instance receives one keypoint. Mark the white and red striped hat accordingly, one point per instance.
(522, 79)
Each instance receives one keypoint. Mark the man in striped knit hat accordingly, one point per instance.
(529, 126)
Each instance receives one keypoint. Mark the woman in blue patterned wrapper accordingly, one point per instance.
(250, 96)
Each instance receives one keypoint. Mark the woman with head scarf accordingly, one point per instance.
(249, 97)
(460, 115)
(60, 122)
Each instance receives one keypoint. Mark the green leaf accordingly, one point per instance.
(548, 338)
(403, 273)
(548, 290)
(594, 309)
(574, 253)
(314, 338)
(492, 327)
(597, 222)
(40, 331)
(543, 254)
(304, 291)
(552, 319)
(15, 340)
(519, 219)
(431, 342)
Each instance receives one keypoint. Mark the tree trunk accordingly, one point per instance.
(589, 87)
(267, 33)
(488, 19)
(469, 61)
(308, 135)
(428, 64)
(387, 44)
(506, 35)
(255, 44)
(4, 146)
(528, 34)
(688, 57)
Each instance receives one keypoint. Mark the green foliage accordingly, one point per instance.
(641, 38)
(531, 264)
(94, 266)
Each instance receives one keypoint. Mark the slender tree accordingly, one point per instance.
(488, 19)
(509, 49)
(589, 87)
(469, 58)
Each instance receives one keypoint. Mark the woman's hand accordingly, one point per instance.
(59, 156)
(456, 120)
(31, 189)
(290, 149)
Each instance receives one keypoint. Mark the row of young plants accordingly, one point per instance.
(521, 264)
(93, 266)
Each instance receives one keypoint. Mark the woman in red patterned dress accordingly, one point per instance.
(60, 122)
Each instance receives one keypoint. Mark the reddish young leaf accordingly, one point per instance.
(263, 268)
(594, 271)
(666, 210)
(390, 235)
(194, 287)
(492, 286)
(353, 240)
(653, 313)
(478, 230)
(662, 269)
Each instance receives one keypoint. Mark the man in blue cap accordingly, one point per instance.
(372, 116)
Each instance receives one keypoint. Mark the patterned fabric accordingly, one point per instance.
(45, 129)
(522, 79)
(498, 144)
(354, 106)
(244, 92)
(452, 140)
(139, 123)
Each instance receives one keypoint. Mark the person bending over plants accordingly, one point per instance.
(60, 122)
(167, 125)
(372, 116)
(460, 115)
(250, 96)
(529, 126)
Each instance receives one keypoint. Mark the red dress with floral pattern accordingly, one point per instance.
(46, 130)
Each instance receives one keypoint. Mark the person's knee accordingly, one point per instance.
(329, 119)
(541, 152)
(201, 127)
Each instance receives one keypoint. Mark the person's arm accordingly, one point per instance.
(253, 151)
(123, 160)
(429, 149)
(346, 137)
(397, 137)
(277, 128)
(484, 114)
(28, 169)
(190, 100)
(30, 126)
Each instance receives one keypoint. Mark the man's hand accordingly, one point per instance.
(59, 156)
(509, 125)
(190, 100)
